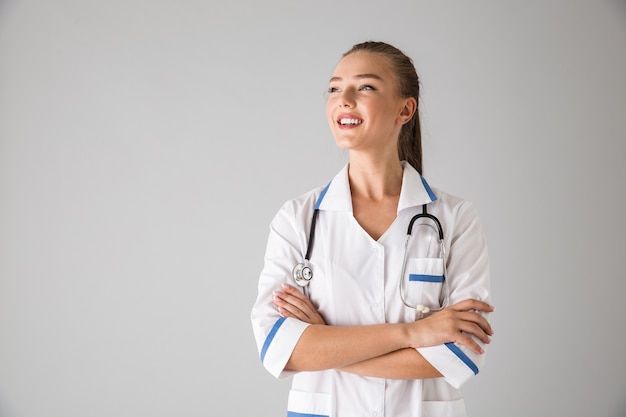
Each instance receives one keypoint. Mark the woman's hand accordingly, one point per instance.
(459, 323)
(292, 303)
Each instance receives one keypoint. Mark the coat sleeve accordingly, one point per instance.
(468, 276)
(276, 336)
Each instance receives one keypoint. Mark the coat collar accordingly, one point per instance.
(415, 191)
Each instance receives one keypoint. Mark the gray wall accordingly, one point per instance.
(145, 146)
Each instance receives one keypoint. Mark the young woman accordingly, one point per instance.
(375, 326)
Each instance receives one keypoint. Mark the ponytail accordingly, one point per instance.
(410, 143)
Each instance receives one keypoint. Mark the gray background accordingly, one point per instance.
(146, 145)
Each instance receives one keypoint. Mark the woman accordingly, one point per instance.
(359, 339)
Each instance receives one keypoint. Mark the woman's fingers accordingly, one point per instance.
(478, 320)
(474, 329)
(470, 342)
(292, 303)
(296, 298)
(471, 304)
(461, 323)
(468, 311)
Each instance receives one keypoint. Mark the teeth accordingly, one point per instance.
(346, 121)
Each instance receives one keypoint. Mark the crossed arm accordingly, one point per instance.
(382, 350)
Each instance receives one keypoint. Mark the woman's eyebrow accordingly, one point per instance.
(359, 76)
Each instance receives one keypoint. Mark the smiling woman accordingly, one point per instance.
(388, 326)
(364, 103)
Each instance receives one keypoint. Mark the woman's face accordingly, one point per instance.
(364, 110)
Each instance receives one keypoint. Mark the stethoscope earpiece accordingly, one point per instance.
(302, 274)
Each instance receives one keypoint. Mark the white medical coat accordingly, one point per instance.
(356, 282)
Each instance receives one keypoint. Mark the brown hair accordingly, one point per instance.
(410, 140)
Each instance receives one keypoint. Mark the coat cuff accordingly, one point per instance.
(455, 366)
(280, 343)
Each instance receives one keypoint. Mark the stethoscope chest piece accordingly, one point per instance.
(302, 274)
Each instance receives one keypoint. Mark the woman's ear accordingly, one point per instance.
(408, 110)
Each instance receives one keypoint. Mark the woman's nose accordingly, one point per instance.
(347, 98)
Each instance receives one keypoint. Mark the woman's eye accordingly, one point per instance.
(367, 88)
(332, 90)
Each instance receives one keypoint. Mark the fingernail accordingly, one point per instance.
(285, 286)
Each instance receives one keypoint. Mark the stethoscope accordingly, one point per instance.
(302, 272)
(442, 255)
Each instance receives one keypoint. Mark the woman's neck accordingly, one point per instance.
(375, 178)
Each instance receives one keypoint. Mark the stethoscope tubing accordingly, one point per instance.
(442, 254)
(303, 273)
(309, 247)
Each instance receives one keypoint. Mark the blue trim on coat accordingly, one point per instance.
(425, 278)
(432, 195)
(458, 352)
(294, 414)
(270, 337)
(321, 197)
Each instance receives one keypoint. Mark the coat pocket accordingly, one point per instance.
(455, 408)
(308, 403)
(424, 281)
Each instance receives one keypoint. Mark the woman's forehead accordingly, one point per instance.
(360, 63)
